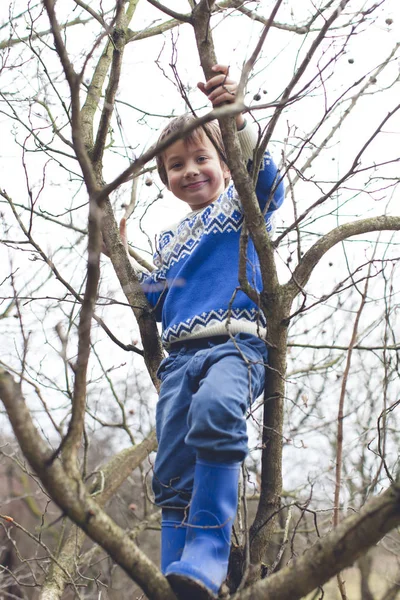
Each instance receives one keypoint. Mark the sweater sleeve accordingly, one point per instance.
(248, 139)
(269, 187)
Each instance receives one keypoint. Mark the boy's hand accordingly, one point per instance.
(220, 89)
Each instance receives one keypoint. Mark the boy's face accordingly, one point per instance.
(195, 172)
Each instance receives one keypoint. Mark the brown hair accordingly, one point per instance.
(210, 129)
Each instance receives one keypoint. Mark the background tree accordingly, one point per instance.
(85, 88)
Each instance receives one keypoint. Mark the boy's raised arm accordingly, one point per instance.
(221, 89)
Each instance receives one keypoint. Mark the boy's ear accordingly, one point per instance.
(225, 170)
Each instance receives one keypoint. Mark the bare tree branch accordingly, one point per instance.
(118, 42)
(169, 12)
(34, 36)
(349, 173)
(92, 12)
(289, 88)
(71, 496)
(336, 551)
(303, 271)
(109, 478)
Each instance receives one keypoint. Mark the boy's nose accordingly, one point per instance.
(191, 169)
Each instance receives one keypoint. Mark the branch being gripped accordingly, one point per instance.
(303, 271)
(243, 183)
(167, 25)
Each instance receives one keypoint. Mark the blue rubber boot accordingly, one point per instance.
(173, 534)
(202, 569)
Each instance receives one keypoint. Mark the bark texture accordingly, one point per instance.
(336, 551)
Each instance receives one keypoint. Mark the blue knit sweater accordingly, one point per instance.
(194, 289)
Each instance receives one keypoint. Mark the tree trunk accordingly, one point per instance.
(262, 529)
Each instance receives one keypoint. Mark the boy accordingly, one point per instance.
(214, 334)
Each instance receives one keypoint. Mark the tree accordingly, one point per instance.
(78, 127)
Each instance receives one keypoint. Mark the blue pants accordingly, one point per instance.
(206, 388)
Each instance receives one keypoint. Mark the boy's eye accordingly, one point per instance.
(175, 165)
(201, 159)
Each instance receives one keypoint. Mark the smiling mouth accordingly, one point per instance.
(195, 184)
